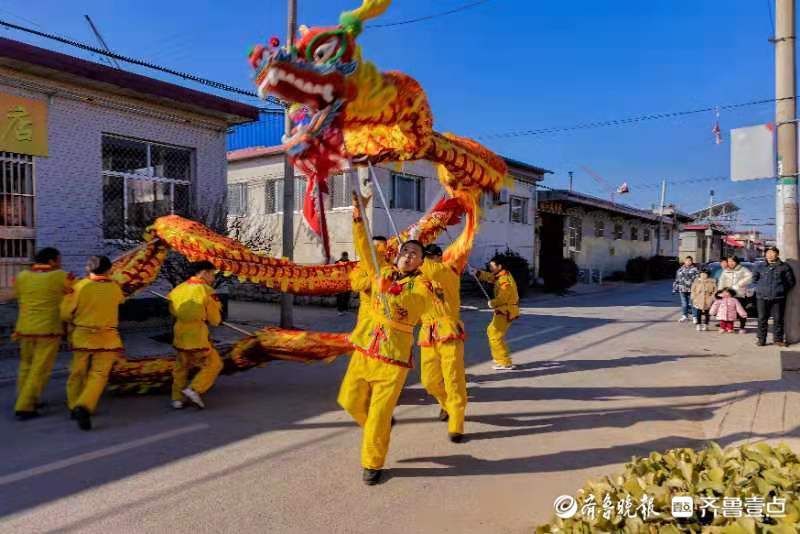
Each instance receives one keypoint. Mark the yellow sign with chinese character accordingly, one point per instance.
(23, 125)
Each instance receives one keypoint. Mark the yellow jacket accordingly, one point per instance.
(93, 310)
(40, 291)
(506, 297)
(447, 327)
(194, 306)
(390, 337)
(360, 282)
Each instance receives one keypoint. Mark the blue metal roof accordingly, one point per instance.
(267, 131)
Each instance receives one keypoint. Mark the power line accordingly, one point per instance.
(771, 18)
(629, 120)
(428, 17)
(186, 76)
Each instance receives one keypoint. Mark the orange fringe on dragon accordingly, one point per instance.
(346, 113)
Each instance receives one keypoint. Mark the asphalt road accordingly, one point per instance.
(602, 377)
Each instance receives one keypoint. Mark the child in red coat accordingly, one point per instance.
(727, 309)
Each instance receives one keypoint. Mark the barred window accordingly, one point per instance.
(618, 231)
(237, 199)
(518, 209)
(599, 228)
(575, 233)
(17, 222)
(408, 192)
(142, 181)
(634, 233)
(339, 191)
(646, 234)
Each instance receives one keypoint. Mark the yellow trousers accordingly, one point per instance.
(369, 393)
(497, 342)
(37, 356)
(88, 376)
(210, 365)
(443, 376)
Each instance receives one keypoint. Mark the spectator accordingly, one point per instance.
(343, 299)
(774, 279)
(727, 308)
(737, 277)
(723, 264)
(703, 291)
(684, 279)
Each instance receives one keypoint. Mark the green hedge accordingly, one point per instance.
(749, 471)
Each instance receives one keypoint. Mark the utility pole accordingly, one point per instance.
(786, 130)
(570, 181)
(287, 299)
(661, 217)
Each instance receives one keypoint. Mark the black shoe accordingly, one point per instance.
(780, 343)
(455, 437)
(371, 476)
(760, 343)
(81, 415)
(40, 405)
(26, 415)
(394, 421)
(443, 415)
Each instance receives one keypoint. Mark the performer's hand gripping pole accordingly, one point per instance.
(357, 193)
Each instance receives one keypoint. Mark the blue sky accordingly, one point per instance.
(507, 65)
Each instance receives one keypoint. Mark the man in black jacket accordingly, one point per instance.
(774, 279)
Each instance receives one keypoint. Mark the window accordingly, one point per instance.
(237, 199)
(340, 188)
(518, 209)
(634, 233)
(17, 223)
(142, 181)
(599, 228)
(575, 233)
(618, 231)
(646, 234)
(408, 192)
(667, 234)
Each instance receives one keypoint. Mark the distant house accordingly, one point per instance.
(600, 235)
(255, 195)
(705, 242)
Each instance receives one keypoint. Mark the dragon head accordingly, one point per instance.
(313, 76)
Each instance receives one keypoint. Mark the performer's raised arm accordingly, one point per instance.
(361, 240)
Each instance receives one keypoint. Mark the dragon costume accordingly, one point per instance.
(348, 114)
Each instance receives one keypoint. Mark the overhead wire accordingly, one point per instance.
(428, 17)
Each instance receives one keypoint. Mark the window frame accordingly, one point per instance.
(574, 233)
(148, 176)
(419, 191)
(525, 209)
(634, 232)
(600, 228)
(243, 194)
(619, 232)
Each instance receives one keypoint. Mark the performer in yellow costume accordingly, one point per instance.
(195, 306)
(39, 328)
(93, 310)
(383, 342)
(506, 309)
(441, 339)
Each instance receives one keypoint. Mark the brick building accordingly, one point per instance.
(89, 154)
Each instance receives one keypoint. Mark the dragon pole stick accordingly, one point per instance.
(377, 185)
(475, 276)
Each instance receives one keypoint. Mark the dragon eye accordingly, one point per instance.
(326, 50)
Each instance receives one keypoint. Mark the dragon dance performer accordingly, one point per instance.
(195, 306)
(39, 291)
(93, 310)
(441, 341)
(506, 309)
(383, 341)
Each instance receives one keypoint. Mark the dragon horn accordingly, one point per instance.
(353, 21)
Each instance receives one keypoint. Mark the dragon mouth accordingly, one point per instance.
(319, 91)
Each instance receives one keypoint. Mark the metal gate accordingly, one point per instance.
(17, 228)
